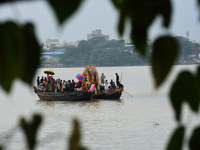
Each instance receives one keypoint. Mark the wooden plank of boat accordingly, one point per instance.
(116, 94)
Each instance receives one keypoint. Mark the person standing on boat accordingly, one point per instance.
(41, 80)
(55, 87)
(61, 89)
(48, 77)
(38, 81)
(72, 85)
(64, 86)
(117, 79)
(58, 85)
(52, 84)
(49, 86)
(68, 85)
(102, 78)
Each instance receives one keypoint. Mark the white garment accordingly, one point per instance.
(103, 77)
(106, 86)
(58, 85)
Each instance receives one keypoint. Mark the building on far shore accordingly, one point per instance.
(73, 43)
(52, 42)
(97, 33)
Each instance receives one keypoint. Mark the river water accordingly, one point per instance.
(122, 124)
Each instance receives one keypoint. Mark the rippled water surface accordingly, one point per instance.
(106, 124)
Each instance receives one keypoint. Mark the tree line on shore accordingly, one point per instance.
(101, 52)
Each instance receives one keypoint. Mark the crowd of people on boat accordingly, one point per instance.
(62, 86)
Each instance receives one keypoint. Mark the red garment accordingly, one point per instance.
(52, 84)
(83, 88)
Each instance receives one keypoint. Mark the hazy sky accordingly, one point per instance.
(97, 14)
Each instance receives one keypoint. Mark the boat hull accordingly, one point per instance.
(69, 96)
(108, 95)
(76, 96)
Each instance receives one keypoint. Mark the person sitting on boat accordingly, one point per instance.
(92, 87)
(106, 85)
(112, 84)
(88, 86)
(83, 87)
(121, 85)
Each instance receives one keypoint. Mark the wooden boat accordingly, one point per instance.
(91, 77)
(115, 94)
(70, 96)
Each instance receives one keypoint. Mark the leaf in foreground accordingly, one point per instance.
(141, 14)
(75, 139)
(64, 8)
(194, 143)
(165, 51)
(30, 130)
(184, 89)
(176, 141)
(20, 53)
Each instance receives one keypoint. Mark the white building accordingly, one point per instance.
(97, 33)
(52, 42)
(73, 43)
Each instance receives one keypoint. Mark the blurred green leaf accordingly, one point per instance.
(74, 141)
(20, 51)
(165, 10)
(165, 50)
(5, 1)
(9, 63)
(141, 13)
(176, 141)
(184, 89)
(64, 8)
(30, 130)
(1, 148)
(194, 143)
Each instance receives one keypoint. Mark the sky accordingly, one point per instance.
(98, 14)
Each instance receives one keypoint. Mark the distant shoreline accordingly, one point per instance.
(51, 66)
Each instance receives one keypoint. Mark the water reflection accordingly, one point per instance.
(50, 104)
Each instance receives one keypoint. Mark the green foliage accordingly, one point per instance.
(185, 46)
(99, 52)
(176, 141)
(55, 48)
(74, 141)
(97, 40)
(186, 88)
(64, 9)
(164, 54)
(142, 14)
(194, 140)
(30, 130)
(20, 51)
